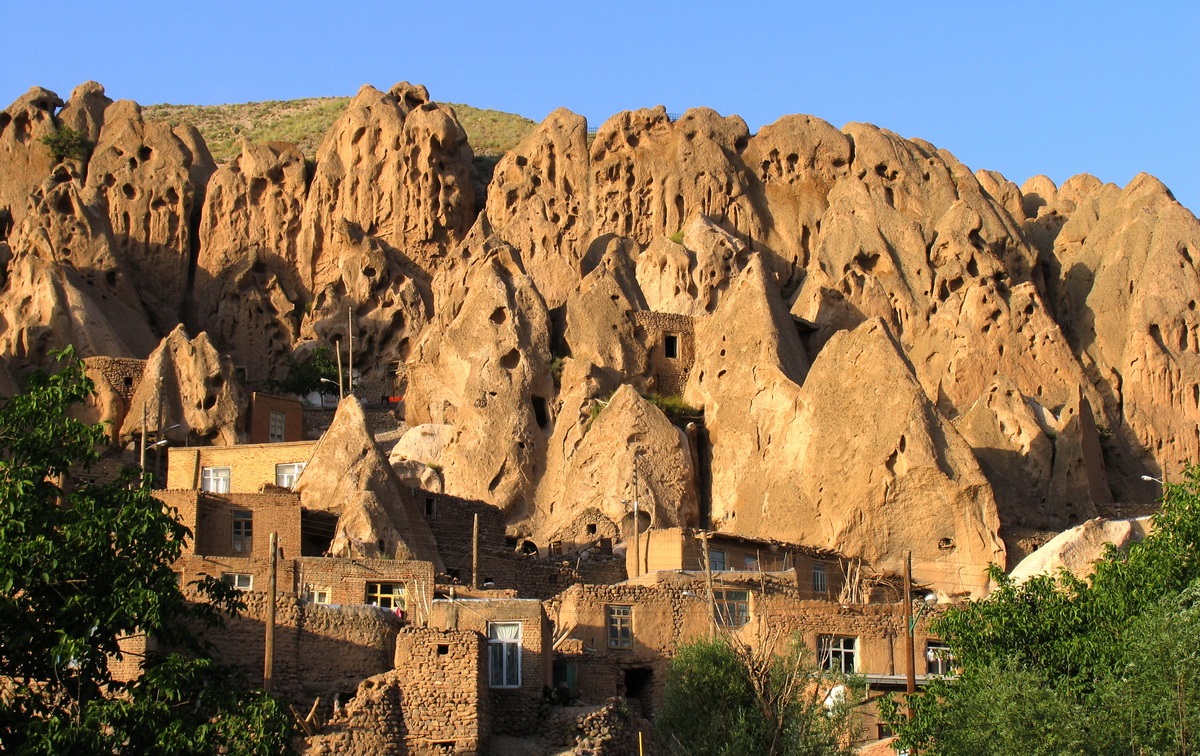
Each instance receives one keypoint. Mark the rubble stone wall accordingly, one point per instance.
(670, 373)
(123, 373)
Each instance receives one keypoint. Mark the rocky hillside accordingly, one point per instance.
(890, 351)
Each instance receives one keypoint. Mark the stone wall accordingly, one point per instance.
(319, 650)
(122, 373)
(347, 579)
(670, 374)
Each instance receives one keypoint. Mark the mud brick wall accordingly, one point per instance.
(251, 466)
(319, 650)
(670, 374)
(346, 580)
(259, 422)
(452, 521)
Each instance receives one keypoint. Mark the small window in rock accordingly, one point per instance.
(946, 544)
(540, 413)
(239, 373)
(591, 528)
(128, 382)
(443, 649)
(430, 507)
(670, 346)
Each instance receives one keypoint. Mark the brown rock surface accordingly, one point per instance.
(1078, 548)
(630, 434)
(485, 370)
(246, 292)
(24, 161)
(689, 278)
(193, 385)
(140, 176)
(1127, 298)
(84, 111)
(347, 475)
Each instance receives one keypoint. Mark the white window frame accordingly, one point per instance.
(216, 480)
(619, 620)
(243, 581)
(318, 594)
(286, 473)
(242, 531)
(277, 431)
(504, 655)
(838, 653)
(394, 597)
(820, 578)
(731, 607)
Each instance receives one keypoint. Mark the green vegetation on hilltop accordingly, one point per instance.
(304, 122)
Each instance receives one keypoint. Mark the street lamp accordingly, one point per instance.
(1152, 479)
(339, 385)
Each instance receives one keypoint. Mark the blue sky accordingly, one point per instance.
(1023, 88)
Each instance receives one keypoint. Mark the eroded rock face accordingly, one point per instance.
(1078, 549)
(24, 161)
(396, 168)
(84, 111)
(1127, 298)
(688, 277)
(348, 476)
(193, 386)
(485, 370)
(140, 176)
(631, 450)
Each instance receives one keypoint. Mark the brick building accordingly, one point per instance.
(273, 419)
(243, 468)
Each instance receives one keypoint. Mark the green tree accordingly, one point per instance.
(723, 698)
(316, 372)
(82, 567)
(1109, 664)
(67, 143)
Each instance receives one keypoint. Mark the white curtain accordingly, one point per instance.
(504, 631)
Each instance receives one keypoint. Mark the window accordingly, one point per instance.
(316, 595)
(214, 479)
(836, 653)
(670, 346)
(243, 531)
(732, 608)
(751, 563)
(938, 659)
(286, 474)
(820, 578)
(716, 560)
(504, 654)
(620, 626)
(278, 424)
(386, 595)
(430, 507)
(243, 581)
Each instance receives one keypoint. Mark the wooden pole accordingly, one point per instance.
(708, 579)
(637, 525)
(475, 553)
(909, 651)
(158, 434)
(350, 354)
(269, 661)
(341, 394)
(142, 453)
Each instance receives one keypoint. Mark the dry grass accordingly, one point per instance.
(304, 122)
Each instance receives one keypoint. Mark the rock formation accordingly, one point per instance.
(348, 476)
(892, 352)
(190, 385)
(1078, 548)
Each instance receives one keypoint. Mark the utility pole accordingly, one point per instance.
(269, 661)
(909, 651)
(158, 433)
(475, 553)
(142, 451)
(637, 524)
(350, 356)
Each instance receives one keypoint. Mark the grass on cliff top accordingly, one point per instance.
(304, 122)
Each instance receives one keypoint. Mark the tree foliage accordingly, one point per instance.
(724, 698)
(310, 374)
(1058, 664)
(67, 143)
(84, 566)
